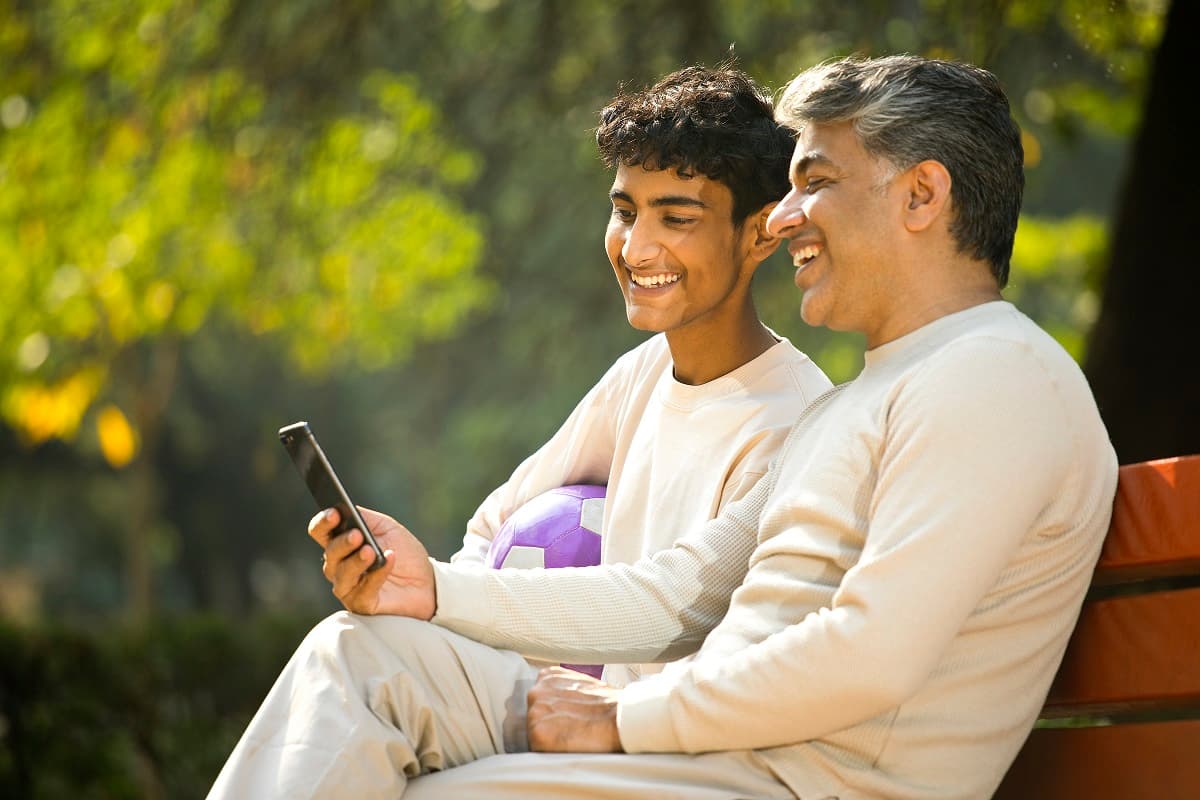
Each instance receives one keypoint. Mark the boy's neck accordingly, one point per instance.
(704, 355)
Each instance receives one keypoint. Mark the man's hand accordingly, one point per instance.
(570, 712)
(403, 585)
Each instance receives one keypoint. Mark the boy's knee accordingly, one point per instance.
(346, 636)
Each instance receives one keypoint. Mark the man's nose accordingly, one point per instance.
(786, 216)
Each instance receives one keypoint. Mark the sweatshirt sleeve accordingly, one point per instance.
(975, 449)
(657, 609)
(581, 451)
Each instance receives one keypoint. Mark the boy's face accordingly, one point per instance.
(677, 256)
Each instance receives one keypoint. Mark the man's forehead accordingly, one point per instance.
(826, 145)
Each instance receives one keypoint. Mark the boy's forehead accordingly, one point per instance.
(649, 185)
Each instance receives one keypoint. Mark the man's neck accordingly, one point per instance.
(703, 356)
(932, 299)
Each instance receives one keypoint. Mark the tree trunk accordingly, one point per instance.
(143, 481)
(1142, 357)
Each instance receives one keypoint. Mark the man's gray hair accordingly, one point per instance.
(905, 110)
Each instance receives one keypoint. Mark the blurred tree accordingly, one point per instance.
(148, 186)
(1142, 355)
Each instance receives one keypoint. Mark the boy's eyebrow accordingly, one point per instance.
(665, 200)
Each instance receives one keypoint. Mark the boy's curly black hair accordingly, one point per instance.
(716, 122)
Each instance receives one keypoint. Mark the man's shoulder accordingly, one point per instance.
(1000, 366)
(1003, 331)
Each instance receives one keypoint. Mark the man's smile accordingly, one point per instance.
(804, 253)
(802, 256)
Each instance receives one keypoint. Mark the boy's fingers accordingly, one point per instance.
(320, 525)
(364, 594)
(347, 575)
(374, 580)
(343, 545)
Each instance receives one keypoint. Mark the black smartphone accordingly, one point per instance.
(323, 482)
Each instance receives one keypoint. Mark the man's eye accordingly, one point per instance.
(623, 214)
(678, 220)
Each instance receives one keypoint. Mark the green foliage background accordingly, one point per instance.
(219, 217)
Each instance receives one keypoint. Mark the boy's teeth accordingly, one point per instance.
(651, 281)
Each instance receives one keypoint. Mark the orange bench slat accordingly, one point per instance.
(1131, 653)
(1155, 530)
(1159, 760)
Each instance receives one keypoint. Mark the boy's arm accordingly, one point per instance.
(657, 609)
(580, 451)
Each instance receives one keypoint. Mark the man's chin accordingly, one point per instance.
(810, 312)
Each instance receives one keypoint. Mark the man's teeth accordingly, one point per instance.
(651, 281)
(805, 254)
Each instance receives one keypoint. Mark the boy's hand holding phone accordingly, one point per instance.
(404, 585)
(375, 565)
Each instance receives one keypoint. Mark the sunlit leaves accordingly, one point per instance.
(118, 440)
(41, 411)
(145, 187)
(1092, 103)
(1054, 277)
(1114, 37)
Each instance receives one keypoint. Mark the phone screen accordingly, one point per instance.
(323, 483)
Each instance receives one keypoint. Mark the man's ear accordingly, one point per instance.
(763, 243)
(928, 194)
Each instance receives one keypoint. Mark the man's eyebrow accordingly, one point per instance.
(665, 200)
(803, 164)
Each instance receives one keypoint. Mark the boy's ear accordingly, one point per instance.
(928, 194)
(763, 243)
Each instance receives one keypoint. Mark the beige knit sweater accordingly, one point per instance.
(906, 575)
(670, 453)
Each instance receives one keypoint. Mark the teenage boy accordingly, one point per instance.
(687, 422)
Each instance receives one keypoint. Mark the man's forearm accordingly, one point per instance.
(658, 609)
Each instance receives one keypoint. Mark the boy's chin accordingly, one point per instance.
(644, 322)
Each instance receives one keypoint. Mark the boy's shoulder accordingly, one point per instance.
(781, 369)
(651, 356)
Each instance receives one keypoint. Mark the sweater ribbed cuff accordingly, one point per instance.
(643, 717)
(461, 597)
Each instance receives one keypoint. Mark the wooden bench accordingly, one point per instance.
(1122, 719)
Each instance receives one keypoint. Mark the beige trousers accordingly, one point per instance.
(384, 707)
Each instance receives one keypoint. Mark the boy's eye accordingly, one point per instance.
(623, 214)
(678, 220)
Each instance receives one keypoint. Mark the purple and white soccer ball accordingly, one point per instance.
(558, 528)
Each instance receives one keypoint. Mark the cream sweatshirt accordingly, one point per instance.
(907, 576)
(671, 454)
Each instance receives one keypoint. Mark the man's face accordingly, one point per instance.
(842, 217)
(678, 259)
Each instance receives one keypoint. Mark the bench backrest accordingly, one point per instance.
(1122, 719)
